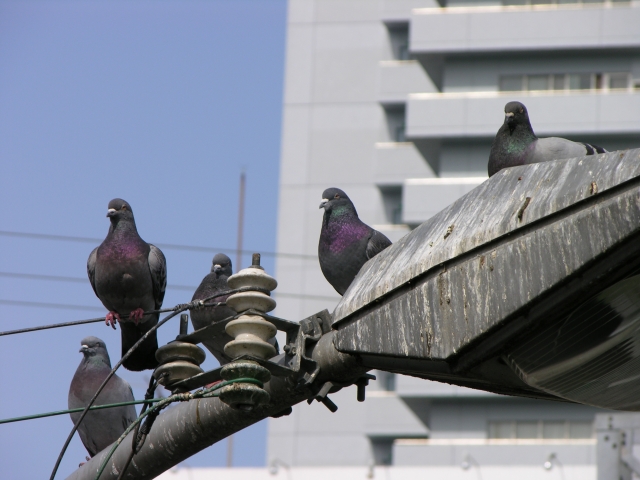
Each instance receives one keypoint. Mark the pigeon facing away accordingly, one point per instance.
(516, 144)
(346, 243)
(214, 282)
(99, 428)
(129, 276)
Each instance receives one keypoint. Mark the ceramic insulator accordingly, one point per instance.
(251, 332)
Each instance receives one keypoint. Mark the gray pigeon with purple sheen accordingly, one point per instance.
(346, 243)
(216, 282)
(99, 428)
(213, 283)
(129, 276)
(516, 144)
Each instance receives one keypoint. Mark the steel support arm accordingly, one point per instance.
(190, 427)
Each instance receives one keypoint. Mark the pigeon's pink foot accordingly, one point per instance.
(111, 319)
(209, 385)
(136, 315)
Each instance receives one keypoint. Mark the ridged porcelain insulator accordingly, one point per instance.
(251, 332)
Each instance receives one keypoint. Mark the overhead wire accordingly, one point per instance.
(75, 410)
(186, 288)
(176, 310)
(168, 246)
(163, 403)
(195, 304)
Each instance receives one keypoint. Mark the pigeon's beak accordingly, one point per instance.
(111, 212)
(217, 268)
(509, 118)
(323, 202)
(84, 348)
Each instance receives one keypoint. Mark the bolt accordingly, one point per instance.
(184, 324)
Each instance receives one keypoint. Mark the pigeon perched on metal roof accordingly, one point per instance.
(99, 428)
(346, 243)
(129, 276)
(216, 282)
(213, 283)
(516, 144)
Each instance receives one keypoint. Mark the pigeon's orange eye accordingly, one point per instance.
(124, 207)
(337, 196)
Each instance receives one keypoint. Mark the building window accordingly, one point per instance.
(579, 81)
(386, 380)
(541, 429)
(392, 201)
(566, 81)
(511, 83)
(382, 451)
(396, 124)
(619, 81)
(399, 38)
(537, 82)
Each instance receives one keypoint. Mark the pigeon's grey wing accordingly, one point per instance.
(131, 415)
(376, 244)
(158, 269)
(91, 269)
(555, 148)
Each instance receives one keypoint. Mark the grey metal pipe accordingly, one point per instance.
(190, 427)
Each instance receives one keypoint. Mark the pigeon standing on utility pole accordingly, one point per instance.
(99, 428)
(516, 144)
(215, 282)
(346, 243)
(129, 276)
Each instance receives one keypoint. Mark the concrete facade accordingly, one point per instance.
(397, 102)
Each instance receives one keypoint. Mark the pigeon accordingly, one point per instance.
(129, 276)
(99, 428)
(346, 243)
(215, 282)
(516, 144)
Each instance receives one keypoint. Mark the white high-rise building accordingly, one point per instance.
(397, 102)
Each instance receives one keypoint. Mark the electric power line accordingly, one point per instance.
(59, 306)
(74, 410)
(168, 246)
(186, 288)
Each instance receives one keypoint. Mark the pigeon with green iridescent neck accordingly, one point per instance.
(516, 144)
(99, 428)
(346, 243)
(129, 276)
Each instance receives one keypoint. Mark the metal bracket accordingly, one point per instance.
(298, 350)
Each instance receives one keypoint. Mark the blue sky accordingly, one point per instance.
(161, 103)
